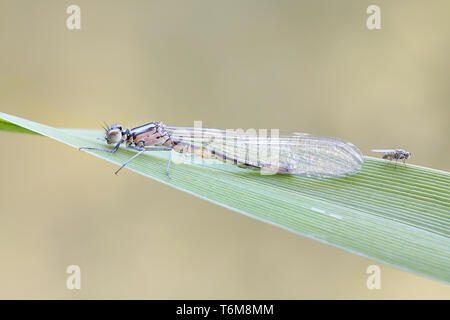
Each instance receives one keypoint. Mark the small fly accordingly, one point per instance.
(394, 154)
(295, 153)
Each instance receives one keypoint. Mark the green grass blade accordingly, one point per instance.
(9, 126)
(398, 216)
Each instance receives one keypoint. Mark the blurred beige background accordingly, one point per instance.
(311, 66)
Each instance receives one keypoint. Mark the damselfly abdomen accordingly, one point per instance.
(278, 153)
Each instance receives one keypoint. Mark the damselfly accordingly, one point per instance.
(394, 154)
(283, 153)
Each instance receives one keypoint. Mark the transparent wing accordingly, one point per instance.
(276, 152)
(384, 150)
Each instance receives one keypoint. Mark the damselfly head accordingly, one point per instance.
(113, 134)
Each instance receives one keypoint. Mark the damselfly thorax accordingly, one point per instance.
(286, 153)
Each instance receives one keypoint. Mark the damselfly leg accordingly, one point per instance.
(106, 150)
(169, 162)
(140, 149)
(131, 159)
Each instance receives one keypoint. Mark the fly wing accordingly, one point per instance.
(383, 150)
(277, 152)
